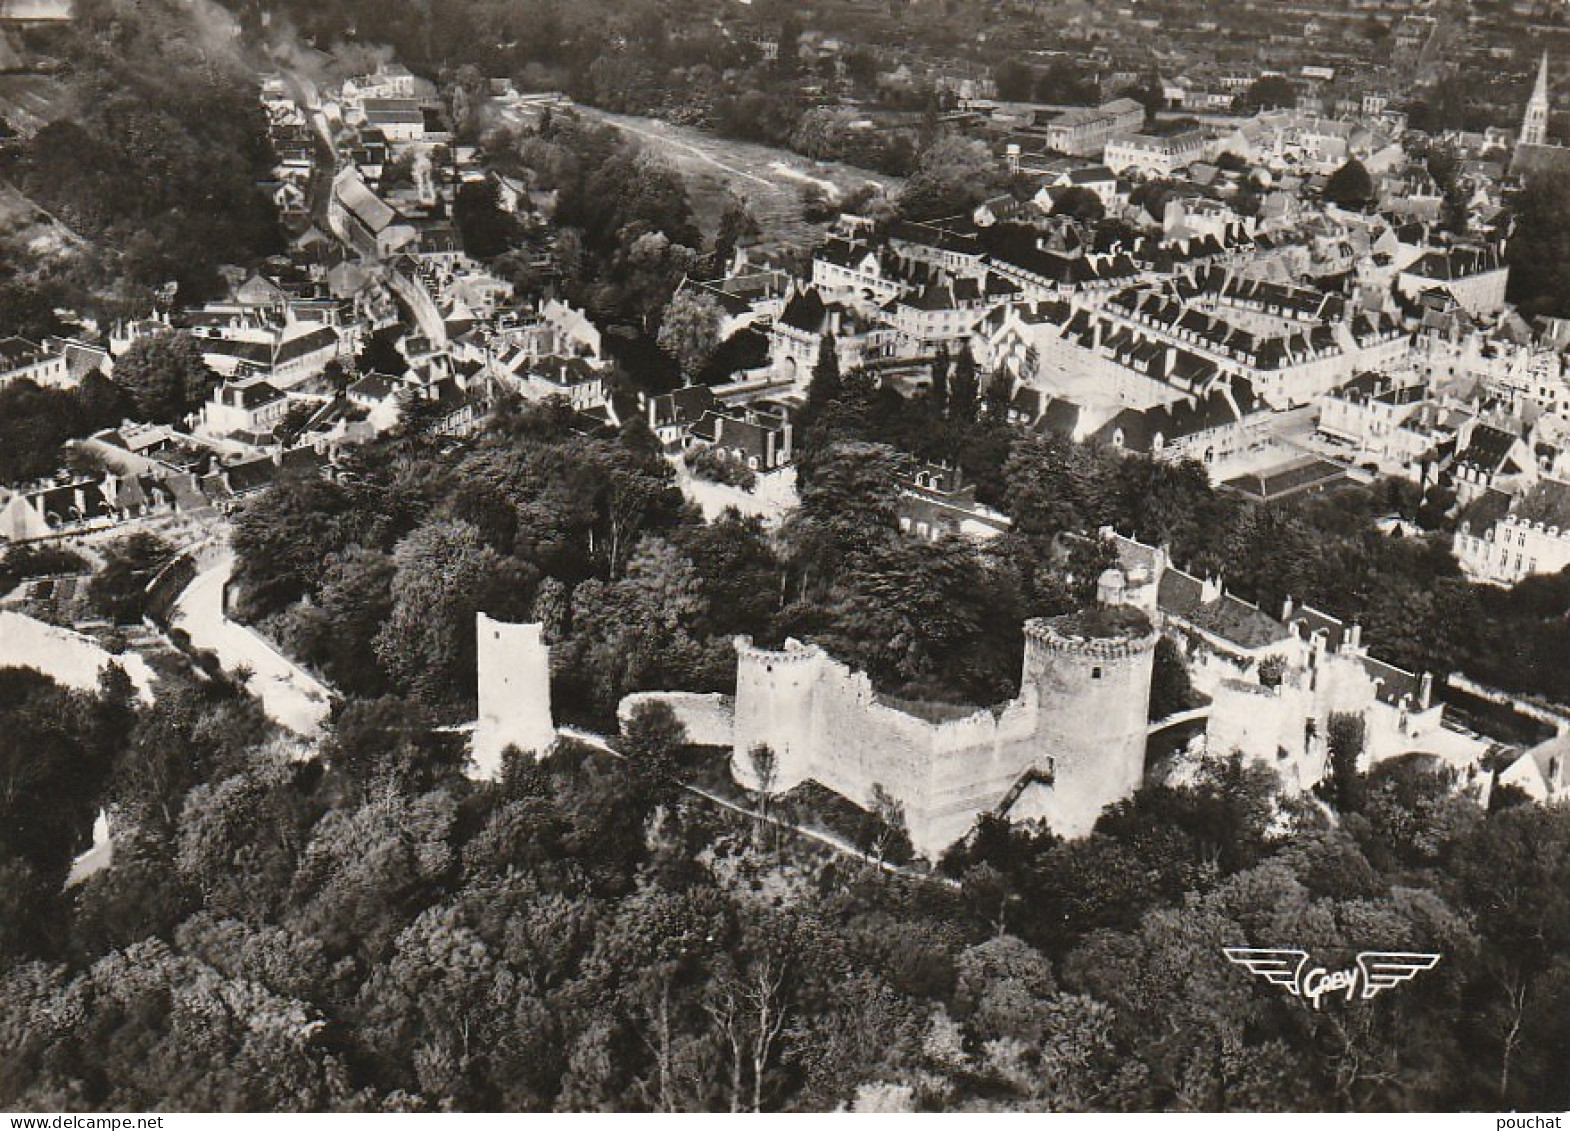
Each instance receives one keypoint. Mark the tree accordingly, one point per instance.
(652, 739)
(1080, 203)
(882, 833)
(1511, 872)
(941, 365)
(1345, 737)
(690, 330)
(487, 229)
(1014, 80)
(765, 766)
(848, 507)
(1445, 166)
(1539, 248)
(445, 574)
(1270, 92)
(953, 174)
(1350, 186)
(54, 764)
(825, 385)
(737, 226)
(1170, 689)
(964, 387)
(166, 376)
(119, 590)
(35, 423)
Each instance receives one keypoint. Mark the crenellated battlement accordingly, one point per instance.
(1058, 636)
(794, 652)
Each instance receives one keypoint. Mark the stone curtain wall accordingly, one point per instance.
(709, 718)
(1080, 720)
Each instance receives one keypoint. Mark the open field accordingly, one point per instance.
(770, 180)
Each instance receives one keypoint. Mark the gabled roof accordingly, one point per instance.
(806, 312)
(1547, 503)
(1489, 449)
(683, 406)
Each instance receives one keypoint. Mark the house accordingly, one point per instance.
(1475, 277)
(935, 503)
(366, 223)
(251, 406)
(671, 415)
(1388, 418)
(1491, 458)
(377, 395)
(760, 441)
(1501, 540)
(1543, 772)
(24, 360)
(1224, 422)
(38, 512)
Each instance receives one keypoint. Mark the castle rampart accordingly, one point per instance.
(1077, 728)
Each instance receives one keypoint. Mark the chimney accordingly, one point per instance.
(1354, 638)
(1425, 696)
(1287, 608)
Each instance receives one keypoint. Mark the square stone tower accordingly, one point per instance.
(514, 665)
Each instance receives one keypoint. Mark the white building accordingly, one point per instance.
(1501, 541)
(1155, 156)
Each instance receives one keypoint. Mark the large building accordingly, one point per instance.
(1085, 132)
(1155, 156)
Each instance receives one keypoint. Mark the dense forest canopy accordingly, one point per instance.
(158, 160)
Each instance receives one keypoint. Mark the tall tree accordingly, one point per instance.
(690, 331)
(1539, 248)
(826, 385)
(964, 387)
(166, 376)
(1350, 186)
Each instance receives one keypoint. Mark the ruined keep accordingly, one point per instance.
(514, 665)
(1071, 743)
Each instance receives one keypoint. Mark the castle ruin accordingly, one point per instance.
(1071, 743)
(514, 666)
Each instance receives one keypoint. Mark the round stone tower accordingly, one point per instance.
(774, 707)
(1088, 675)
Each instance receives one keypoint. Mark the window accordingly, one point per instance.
(1095, 673)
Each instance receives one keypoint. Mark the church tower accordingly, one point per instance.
(1534, 127)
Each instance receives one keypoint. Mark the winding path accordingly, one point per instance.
(292, 697)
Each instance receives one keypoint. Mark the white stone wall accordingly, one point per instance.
(710, 719)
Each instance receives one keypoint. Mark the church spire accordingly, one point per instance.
(1534, 127)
